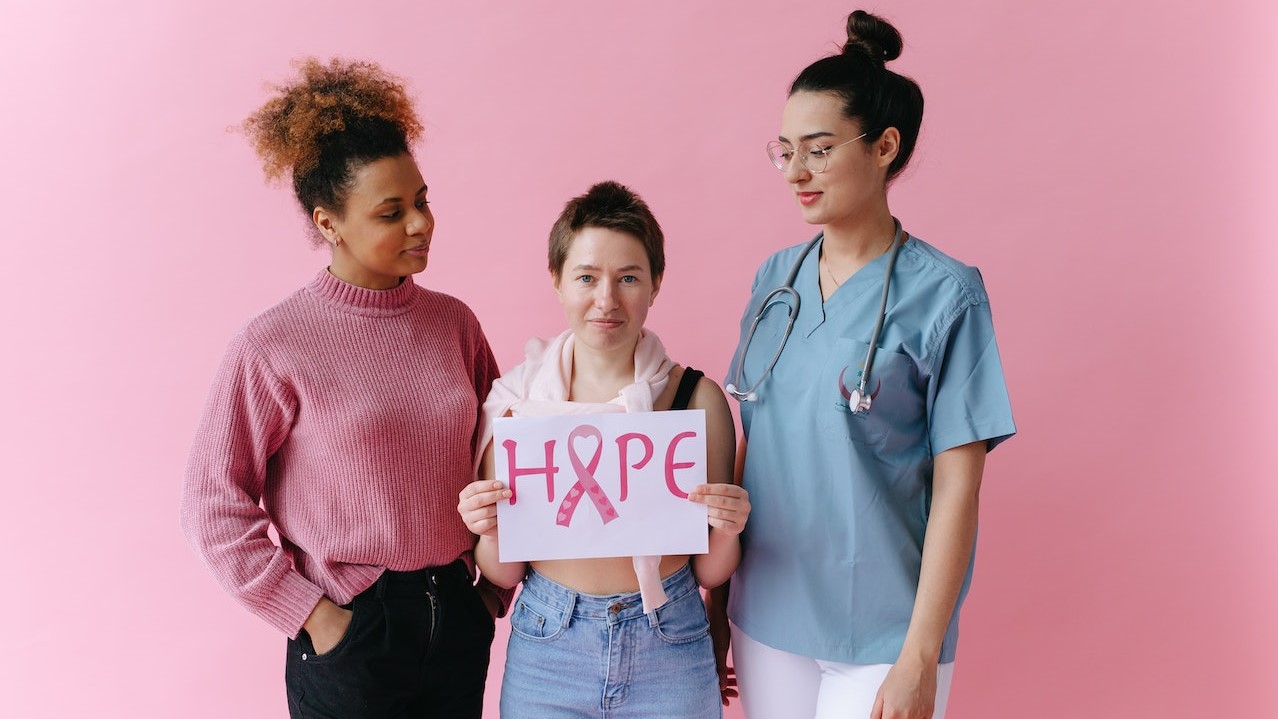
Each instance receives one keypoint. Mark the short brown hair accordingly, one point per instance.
(612, 206)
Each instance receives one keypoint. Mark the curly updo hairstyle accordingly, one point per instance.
(324, 126)
(873, 96)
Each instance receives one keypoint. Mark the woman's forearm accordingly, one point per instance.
(499, 573)
(947, 548)
(716, 566)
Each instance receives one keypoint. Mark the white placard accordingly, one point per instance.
(601, 485)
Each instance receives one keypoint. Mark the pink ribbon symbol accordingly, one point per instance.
(586, 484)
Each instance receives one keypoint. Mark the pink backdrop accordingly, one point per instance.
(1109, 166)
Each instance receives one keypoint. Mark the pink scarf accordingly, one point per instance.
(540, 386)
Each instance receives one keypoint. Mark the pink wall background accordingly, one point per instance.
(1109, 166)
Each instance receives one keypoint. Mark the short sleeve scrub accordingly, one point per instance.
(839, 501)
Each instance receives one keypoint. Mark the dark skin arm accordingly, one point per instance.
(717, 612)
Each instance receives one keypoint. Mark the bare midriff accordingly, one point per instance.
(609, 575)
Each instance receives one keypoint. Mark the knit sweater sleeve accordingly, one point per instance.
(248, 416)
(486, 371)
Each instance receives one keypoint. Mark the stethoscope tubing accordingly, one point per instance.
(862, 400)
(878, 324)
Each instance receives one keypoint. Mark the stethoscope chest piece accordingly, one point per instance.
(859, 402)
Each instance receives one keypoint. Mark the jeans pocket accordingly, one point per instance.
(349, 638)
(534, 620)
(683, 620)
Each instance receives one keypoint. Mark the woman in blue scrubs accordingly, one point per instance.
(859, 549)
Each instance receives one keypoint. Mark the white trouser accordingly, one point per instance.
(779, 685)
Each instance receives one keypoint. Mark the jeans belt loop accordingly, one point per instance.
(569, 608)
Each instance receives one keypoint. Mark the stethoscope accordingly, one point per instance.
(859, 399)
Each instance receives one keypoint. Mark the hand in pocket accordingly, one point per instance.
(327, 625)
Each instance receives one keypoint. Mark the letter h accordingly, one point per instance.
(549, 470)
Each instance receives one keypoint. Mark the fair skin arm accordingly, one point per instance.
(727, 504)
(909, 691)
(477, 504)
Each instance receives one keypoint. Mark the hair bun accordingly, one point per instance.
(873, 37)
(323, 102)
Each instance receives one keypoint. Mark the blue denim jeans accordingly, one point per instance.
(585, 655)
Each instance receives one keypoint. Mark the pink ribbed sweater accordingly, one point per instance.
(350, 414)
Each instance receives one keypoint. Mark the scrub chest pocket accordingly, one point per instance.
(897, 391)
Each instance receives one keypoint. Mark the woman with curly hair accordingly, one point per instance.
(344, 418)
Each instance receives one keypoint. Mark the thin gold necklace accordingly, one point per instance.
(825, 264)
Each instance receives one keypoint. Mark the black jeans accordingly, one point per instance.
(417, 647)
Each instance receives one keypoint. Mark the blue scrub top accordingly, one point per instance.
(839, 502)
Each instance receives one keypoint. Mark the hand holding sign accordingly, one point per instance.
(477, 504)
(727, 505)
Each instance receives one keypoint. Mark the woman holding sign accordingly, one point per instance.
(616, 636)
(871, 390)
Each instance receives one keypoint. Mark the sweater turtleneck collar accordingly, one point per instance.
(361, 300)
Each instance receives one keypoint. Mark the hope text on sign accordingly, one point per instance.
(600, 485)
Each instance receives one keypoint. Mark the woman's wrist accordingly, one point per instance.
(919, 652)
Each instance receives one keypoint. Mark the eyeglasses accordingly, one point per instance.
(813, 157)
